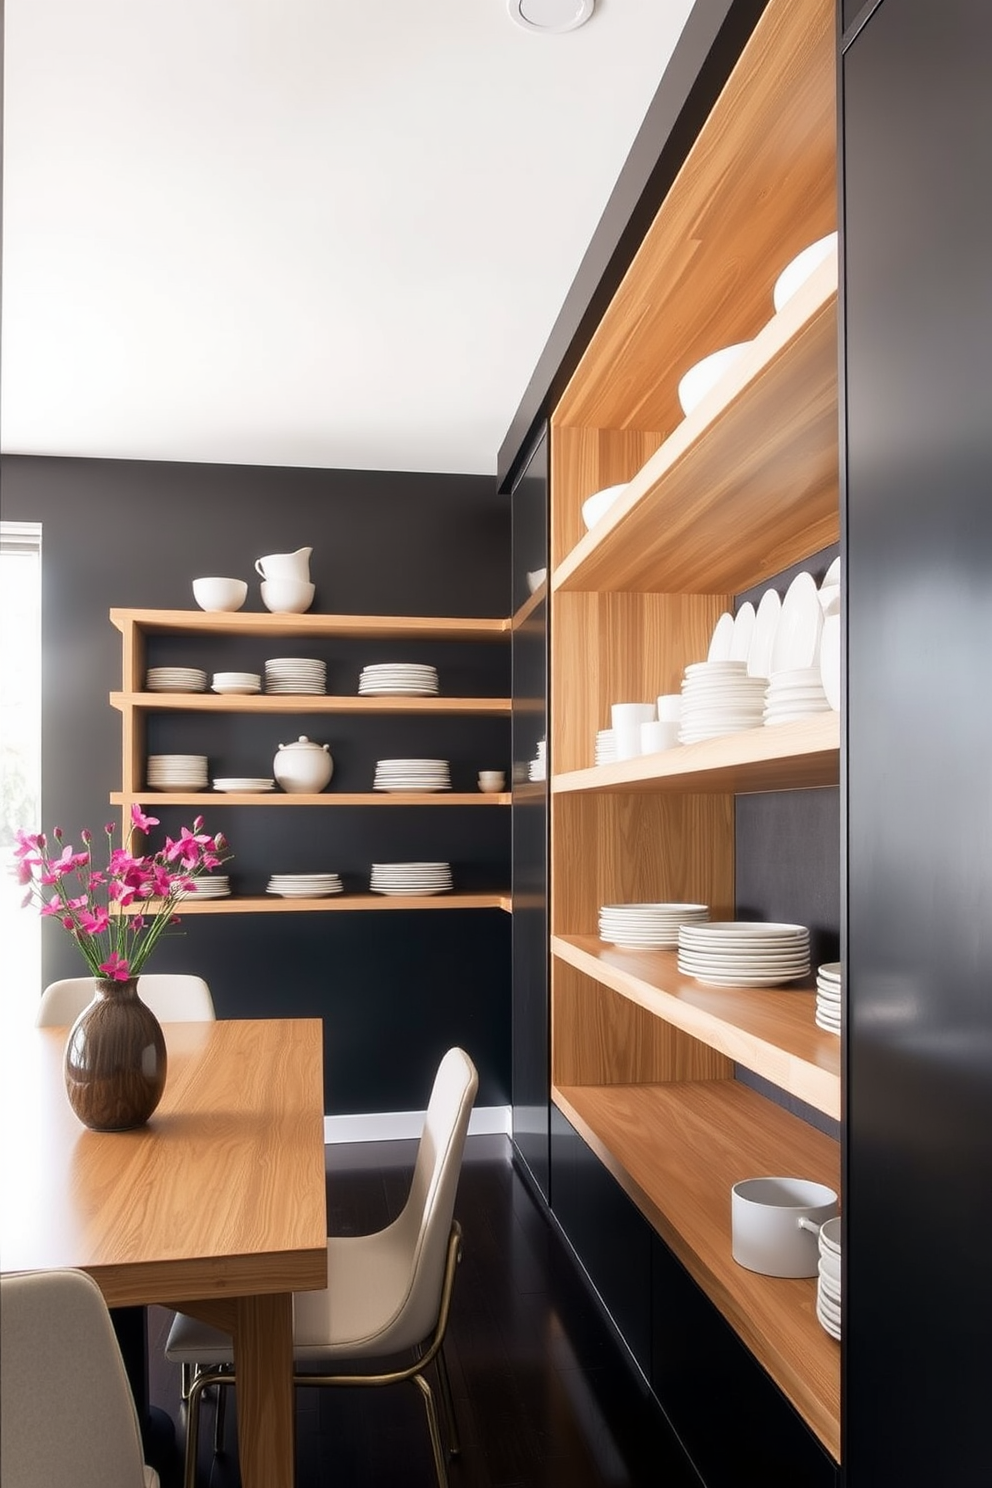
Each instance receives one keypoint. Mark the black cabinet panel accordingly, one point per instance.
(918, 310)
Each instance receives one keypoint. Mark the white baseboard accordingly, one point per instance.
(392, 1126)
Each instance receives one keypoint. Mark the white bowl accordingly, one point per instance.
(773, 1224)
(599, 503)
(287, 596)
(705, 375)
(220, 594)
(536, 579)
(795, 274)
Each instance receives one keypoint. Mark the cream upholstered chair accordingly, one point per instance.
(55, 1330)
(387, 1293)
(172, 997)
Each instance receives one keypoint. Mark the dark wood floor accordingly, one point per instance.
(544, 1397)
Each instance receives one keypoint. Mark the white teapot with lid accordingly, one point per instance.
(303, 768)
(295, 566)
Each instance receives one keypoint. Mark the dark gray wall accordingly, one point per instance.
(394, 989)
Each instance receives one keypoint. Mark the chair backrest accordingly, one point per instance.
(172, 997)
(66, 1410)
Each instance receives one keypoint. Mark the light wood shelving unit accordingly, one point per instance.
(135, 704)
(717, 502)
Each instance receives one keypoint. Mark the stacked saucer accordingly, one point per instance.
(236, 683)
(795, 694)
(249, 784)
(295, 674)
(175, 679)
(410, 879)
(829, 997)
(718, 697)
(744, 953)
(398, 679)
(648, 925)
(606, 747)
(212, 886)
(177, 772)
(412, 775)
(537, 769)
(304, 885)
(829, 1279)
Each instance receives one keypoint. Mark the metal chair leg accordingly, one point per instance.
(447, 1404)
(432, 1422)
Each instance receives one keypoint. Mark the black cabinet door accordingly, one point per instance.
(917, 229)
(531, 1054)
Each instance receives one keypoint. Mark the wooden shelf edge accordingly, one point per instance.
(263, 623)
(788, 756)
(302, 702)
(774, 1317)
(518, 620)
(340, 903)
(770, 1031)
(281, 798)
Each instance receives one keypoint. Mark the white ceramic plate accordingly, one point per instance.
(830, 660)
(805, 264)
(759, 656)
(722, 639)
(740, 643)
(797, 640)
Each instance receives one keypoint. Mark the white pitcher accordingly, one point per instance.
(286, 565)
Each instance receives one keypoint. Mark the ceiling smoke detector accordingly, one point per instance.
(550, 16)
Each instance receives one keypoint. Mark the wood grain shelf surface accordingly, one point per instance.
(340, 903)
(304, 702)
(363, 627)
(521, 620)
(746, 484)
(788, 756)
(676, 1150)
(330, 798)
(770, 1030)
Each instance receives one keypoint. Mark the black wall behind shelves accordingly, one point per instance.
(394, 988)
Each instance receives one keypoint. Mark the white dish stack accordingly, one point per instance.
(410, 880)
(829, 997)
(606, 747)
(718, 697)
(412, 775)
(236, 683)
(744, 953)
(829, 1279)
(250, 785)
(177, 772)
(175, 679)
(304, 885)
(212, 886)
(295, 674)
(398, 679)
(651, 926)
(537, 769)
(795, 694)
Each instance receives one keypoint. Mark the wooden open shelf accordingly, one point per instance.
(522, 619)
(676, 1150)
(788, 756)
(336, 903)
(305, 702)
(213, 798)
(770, 1030)
(363, 627)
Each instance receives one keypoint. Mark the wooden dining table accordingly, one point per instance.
(216, 1207)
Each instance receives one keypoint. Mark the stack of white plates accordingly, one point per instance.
(718, 697)
(795, 694)
(212, 886)
(410, 879)
(176, 679)
(398, 679)
(249, 784)
(538, 767)
(606, 747)
(829, 1279)
(744, 953)
(412, 775)
(648, 924)
(295, 674)
(829, 993)
(178, 772)
(305, 885)
(236, 682)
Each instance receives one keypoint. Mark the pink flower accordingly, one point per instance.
(54, 906)
(116, 967)
(67, 863)
(189, 846)
(94, 921)
(140, 820)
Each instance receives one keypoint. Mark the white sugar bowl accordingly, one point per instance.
(303, 768)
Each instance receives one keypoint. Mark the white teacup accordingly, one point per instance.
(286, 596)
(491, 780)
(774, 1223)
(220, 594)
(285, 565)
(627, 719)
(656, 736)
(670, 707)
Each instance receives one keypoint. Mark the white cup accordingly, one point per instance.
(656, 736)
(774, 1223)
(220, 594)
(491, 780)
(286, 596)
(670, 707)
(627, 719)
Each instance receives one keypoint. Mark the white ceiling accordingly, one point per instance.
(300, 232)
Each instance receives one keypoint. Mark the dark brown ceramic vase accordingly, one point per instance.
(115, 1059)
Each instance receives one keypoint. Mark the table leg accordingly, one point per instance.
(263, 1367)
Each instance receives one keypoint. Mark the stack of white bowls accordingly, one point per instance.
(305, 885)
(407, 880)
(176, 679)
(829, 1279)
(212, 886)
(293, 674)
(177, 772)
(236, 683)
(744, 953)
(398, 679)
(795, 694)
(718, 697)
(654, 926)
(250, 785)
(412, 775)
(606, 747)
(538, 767)
(829, 997)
